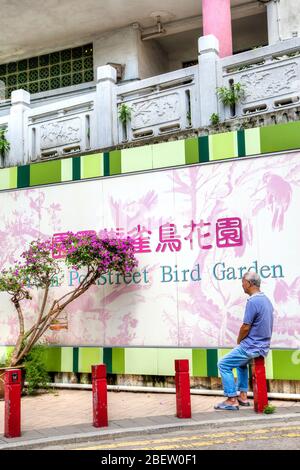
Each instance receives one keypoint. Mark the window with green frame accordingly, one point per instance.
(49, 71)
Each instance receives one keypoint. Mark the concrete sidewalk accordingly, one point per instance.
(65, 416)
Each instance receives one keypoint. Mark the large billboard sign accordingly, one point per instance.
(197, 230)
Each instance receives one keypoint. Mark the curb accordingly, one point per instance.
(116, 433)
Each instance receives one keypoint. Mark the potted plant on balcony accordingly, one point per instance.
(124, 113)
(231, 96)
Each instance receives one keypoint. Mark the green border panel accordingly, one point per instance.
(141, 361)
(168, 154)
(199, 363)
(75, 359)
(212, 361)
(88, 357)
(280, 137)
(241, 143)
(167, 357)
(203, 146)
(118, 361)
(66, 359)
(137, 159)
(286, 365)
(76, 168)
(107, 359)
(23, 178)
(191, 151)
(53, 359)
(222, 146)
(45, 173)
(115, 162)
(91, 166)
(106, 168)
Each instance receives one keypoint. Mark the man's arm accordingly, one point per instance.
(244, 331)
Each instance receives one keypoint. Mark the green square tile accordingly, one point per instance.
(45, 173)
(141, 361)
(76, 168)
(286, 365)
(13, 177)
(191, 151)
(212, 361)
(252, 141)
(67, 169)
(241, 143)
(167, 357)
(91, 165)
(67, 359)
(136, 159)
(52, 358)
(89, 357)
(107, 359)
(199, 363)
(203, 144)
(115, 162)
(106, 164)
(222, 146)
(5, 178)
(269, 365)
(169, 154)
(23, 178)
(118, 361)
(280, 137)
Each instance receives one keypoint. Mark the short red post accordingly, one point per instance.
(99, 385)
(259, 381)
(12, 397)
(183, 394)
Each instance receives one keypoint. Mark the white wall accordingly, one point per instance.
(142, 59)
(121, 47)
(152, 59)
(289, 18)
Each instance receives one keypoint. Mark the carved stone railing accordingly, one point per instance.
(78, 120)
(270, 77)
(159, 105)
(62, 128)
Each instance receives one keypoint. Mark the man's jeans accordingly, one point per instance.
(239, 359)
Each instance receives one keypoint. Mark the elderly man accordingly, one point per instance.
(253, 340)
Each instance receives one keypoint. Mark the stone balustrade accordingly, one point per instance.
(88, 117)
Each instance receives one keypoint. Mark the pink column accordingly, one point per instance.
(217, 21)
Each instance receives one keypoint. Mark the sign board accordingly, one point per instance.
(197, 230)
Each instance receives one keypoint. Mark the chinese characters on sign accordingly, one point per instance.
(228, 233)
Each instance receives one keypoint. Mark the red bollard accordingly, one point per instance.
(183, 394)
(12, 397)
(259, 381)
(99, 382)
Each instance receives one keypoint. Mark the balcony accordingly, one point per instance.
(86, 118)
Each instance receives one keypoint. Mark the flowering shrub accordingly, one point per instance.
(94, 255)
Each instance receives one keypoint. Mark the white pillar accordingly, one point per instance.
(106, 107)
(283, 20)
(208, 77)
(273, 22)
(17, 128)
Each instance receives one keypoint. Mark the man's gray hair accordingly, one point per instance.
(253, 278)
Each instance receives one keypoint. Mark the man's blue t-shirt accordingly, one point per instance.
(258, 314)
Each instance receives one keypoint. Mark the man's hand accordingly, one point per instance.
(244, 331)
